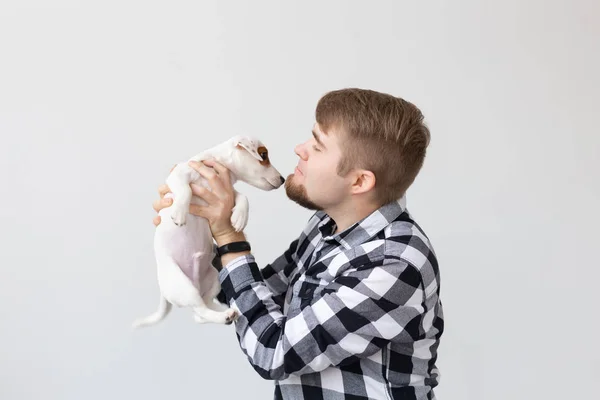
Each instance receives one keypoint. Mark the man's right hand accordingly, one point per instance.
(162, 202)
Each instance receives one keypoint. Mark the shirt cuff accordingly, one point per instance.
(238, 275)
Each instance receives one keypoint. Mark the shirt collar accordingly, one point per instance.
(364, 229)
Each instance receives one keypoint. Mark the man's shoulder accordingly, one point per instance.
(403, 239)
(403, 228)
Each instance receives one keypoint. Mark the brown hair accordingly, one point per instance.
(381, 133)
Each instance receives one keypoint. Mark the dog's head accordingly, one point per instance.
(251, 164)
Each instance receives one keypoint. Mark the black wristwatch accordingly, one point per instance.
(233, 247)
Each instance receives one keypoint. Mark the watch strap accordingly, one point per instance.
(233, 247)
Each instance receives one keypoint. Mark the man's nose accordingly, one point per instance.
(301, 151)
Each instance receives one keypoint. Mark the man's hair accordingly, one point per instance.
(380, 133)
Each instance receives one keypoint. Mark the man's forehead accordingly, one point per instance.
(317, 129)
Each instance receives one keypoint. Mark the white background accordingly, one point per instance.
(99, 99)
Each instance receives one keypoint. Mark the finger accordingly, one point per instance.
(209, 162)
(202, 169)
(222, 171)
(204, 193)
(163, 189)
(161, 203)
(156, 220)
(210, 175)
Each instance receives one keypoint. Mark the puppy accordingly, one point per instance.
(183, 242)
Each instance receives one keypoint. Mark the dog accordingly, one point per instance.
(183, 242)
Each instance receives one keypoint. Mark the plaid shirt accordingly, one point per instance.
(350, 315)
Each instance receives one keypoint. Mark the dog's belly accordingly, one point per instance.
(182, 243)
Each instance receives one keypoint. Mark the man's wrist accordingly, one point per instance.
(230, 238)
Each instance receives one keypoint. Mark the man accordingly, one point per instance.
(351, 309)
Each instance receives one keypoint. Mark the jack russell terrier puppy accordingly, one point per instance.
(183, 242)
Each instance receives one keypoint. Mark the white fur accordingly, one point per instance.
(183, 242)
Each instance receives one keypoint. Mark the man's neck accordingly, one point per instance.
(346, 215)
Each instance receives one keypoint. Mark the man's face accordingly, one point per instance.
(315, 183)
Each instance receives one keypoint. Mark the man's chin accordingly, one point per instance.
(297, 193)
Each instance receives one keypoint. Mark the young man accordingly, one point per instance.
(352, 308)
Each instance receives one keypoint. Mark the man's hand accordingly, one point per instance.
(161, 203)
(220, 204)
(220, 198)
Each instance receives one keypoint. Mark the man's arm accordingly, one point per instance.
(275, 275)
(356, 315)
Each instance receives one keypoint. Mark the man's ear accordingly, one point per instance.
(364, 181)
(249, 146)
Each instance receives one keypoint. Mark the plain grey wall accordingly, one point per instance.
(98, 101)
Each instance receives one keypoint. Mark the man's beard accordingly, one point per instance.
(298, 194)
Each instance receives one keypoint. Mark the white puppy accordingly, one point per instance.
(183, 242)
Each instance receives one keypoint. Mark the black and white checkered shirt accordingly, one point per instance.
(355, 315)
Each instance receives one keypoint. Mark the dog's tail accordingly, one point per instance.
(163, 309)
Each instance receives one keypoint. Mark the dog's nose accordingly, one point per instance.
(282, 179)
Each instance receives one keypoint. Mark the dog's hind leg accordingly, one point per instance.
(210, 297)
(205, 314)
(207, 280)
(163, 309)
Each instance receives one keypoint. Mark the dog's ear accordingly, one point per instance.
(249, 146)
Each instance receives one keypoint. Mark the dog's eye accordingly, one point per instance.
(263, 155)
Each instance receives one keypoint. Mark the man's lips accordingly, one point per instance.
(298, 172)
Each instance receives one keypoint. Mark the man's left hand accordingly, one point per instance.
(220, 199)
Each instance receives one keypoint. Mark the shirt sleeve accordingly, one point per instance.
(354, 316)
(275, 275)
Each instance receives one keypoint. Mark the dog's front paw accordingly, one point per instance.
(239, 218)
(178, 216)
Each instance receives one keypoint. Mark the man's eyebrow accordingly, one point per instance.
(318, 139)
